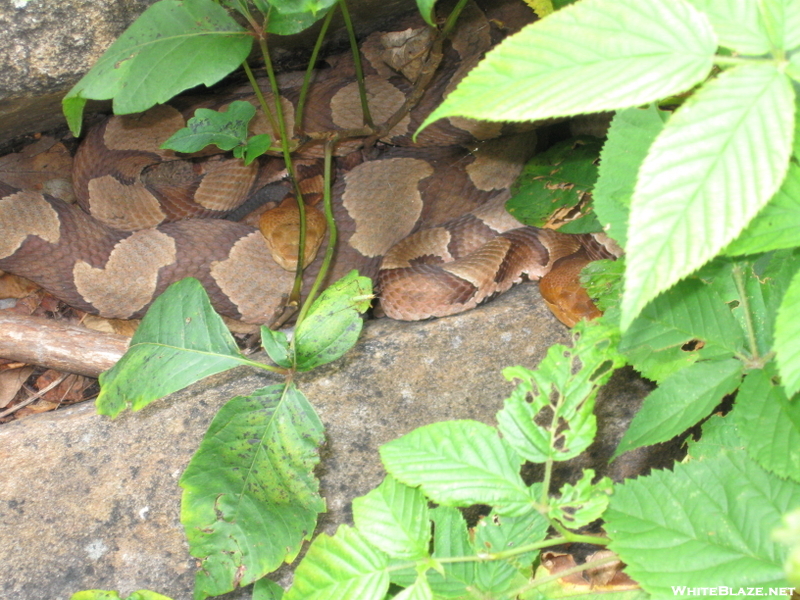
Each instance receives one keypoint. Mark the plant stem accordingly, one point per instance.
(453, 17)
(301, 102)
(332, 232)
(264, 106)
(362, 91)
(294, 297)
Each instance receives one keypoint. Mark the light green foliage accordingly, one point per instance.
(789, 534)
(250, 497)
(580, 504)
(174, 45)
(225, 130)
(705, 524)
(570, 375)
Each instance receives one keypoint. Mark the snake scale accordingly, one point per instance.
(425, 219)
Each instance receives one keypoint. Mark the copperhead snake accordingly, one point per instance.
(426, 220)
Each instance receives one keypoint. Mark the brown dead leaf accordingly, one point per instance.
(11, 381)
(608, 577)
(68, 391)
(13, 286)
(125, 327)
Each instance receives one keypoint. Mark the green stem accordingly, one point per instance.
(332, 232)
(738, 60)
(362, 90)
(294, 297)
(261, 100)
(453, 17)
(301, 102)
(258, 365)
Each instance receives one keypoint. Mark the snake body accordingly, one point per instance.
(425, 219)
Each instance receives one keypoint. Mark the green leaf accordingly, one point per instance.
(450, 538)
(498, 533)
(342, 567)
(738, 25)
(225, 130)
(558, 422)
(290, 22)
(180, 341)
(394, 518)
(426, 10)
(689, 322)
(789, 534)
(594, 46)
(174, 45)
(276, 345)
(333, 323)
(769, 423)
(787, 337)
(556, 179)
(782, 22)
(265, 589)
(254, 147)
(250, 496)
(419, 590)
(778, 224)
(460, 463)
(717, 161)
(630, 136)
(680, 401)
(705, 524)
(580, 504)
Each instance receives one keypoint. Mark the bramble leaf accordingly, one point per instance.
(694, 193)
(460, 463)
(595, 46)
(694, 526)
(342, 567)
(225, 130)
(787, 338)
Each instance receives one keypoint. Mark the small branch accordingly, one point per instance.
(362, 91)
(33, 397)
(44, 342)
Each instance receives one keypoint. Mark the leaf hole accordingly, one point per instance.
(693, 345)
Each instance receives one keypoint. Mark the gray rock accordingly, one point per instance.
(46, 46)
(87, 502)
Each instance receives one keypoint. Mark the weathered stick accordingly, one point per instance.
(58, 346)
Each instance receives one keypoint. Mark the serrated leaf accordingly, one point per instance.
(787, 337)
(718, 433)
(419, 590)
(777, 225)
(737, 23)
(705, 524)
(497, 533)
(180, 341)
(578, 505)
(224, 129)
(250, 495)
(595, 46)
(694, 194)
(342, 567)
(630, 136)
(460, 463)
(394, 518)
(688, 323)
(555, 179)
(769, 424)
(680, 401)
(563, 387)
(333, 323)
(782, 22)
(174, 45)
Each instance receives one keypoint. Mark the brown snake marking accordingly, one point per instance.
(426, 220)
